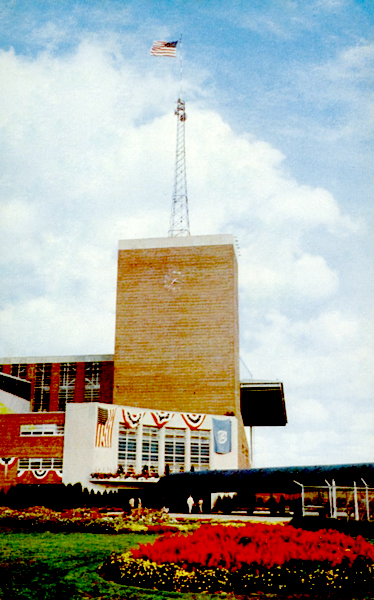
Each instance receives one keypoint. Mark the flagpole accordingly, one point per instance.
(179, 220)
(180, 67)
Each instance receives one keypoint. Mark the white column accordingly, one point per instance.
(161, 451)
(187, 456)
(139, 438)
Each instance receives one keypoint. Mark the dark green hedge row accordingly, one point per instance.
(352, 528)
(59, 497)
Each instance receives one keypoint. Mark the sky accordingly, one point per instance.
(279, 153)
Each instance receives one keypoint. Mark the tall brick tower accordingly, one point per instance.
(177, 333)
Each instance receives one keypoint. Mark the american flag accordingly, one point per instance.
(164, 49)
(104, 428)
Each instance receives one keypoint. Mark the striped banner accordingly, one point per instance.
(104, 428)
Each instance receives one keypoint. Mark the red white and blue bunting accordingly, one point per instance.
(131, 420)
(7, 462)
(161, 417)
(40, 474)
(193, 420)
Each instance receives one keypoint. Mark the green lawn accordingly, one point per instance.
(51, 566)
(62, 566)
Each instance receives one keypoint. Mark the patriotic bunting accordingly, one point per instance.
(40, 473)
(130, 419)
(104, 427)
(7, 462)
(161, 417)
(192, 420)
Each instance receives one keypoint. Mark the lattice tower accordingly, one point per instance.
(179, 221)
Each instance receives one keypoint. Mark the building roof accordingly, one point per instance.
(31, 360)
(270, 480)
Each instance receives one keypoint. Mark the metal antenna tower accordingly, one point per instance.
(179, 221)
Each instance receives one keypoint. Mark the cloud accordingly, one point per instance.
(87, 145)
(88, 158)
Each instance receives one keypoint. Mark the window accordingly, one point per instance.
(68, 373)
(42, 387)
(175, 449)
(127, 449)
(150, 446)
(92, 377)
(200, 449)
(19, 371)
(34, 464)
(36, 429)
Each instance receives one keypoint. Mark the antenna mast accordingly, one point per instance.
(179, 220)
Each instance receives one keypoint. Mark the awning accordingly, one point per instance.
(262, 403)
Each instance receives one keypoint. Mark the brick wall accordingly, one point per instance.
(177, 341)
(13, 446)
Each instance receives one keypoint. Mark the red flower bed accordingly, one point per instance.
(232, 548)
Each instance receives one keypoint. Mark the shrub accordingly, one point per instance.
(246, 559)
(89, 520)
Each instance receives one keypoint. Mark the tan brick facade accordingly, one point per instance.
(177, 333)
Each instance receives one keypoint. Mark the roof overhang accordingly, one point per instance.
(262, 403)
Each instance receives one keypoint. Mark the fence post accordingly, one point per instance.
(367, 499)
(330, 499)
(302, 497)
(357, 517)
(334, 509)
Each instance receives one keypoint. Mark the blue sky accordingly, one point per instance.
(279, 152)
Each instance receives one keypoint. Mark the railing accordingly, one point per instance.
(334, 501)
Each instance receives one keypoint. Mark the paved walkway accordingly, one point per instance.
(231, 517)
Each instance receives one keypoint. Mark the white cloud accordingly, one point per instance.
(87, 155)
(310, 410)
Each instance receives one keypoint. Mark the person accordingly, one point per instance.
(282, 506)
(273, 506)
(190, 503)
(131, 503)
(201, 505)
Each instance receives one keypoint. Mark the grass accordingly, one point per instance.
(62, 566)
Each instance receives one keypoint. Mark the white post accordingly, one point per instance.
(139, 449)
(302, 496)
(330, 498)
(187, 456)
(357, 517)
(161, 451)
(367, 499)
(251, 448)
(334, 511)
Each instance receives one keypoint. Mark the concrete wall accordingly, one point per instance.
(82, 457)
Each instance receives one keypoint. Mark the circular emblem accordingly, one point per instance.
(173, 279)
(222, 436)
